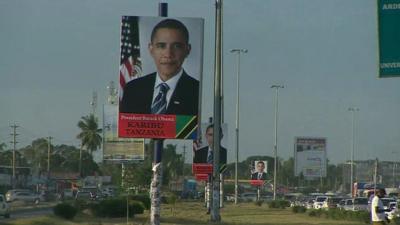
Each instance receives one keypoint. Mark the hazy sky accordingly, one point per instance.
(54, 54)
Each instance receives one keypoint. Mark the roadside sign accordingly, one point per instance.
(389, 38)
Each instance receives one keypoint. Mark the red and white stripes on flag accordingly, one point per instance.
(128, 71)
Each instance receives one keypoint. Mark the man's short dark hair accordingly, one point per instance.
(261, 162)
(212, 126)
(171, 24)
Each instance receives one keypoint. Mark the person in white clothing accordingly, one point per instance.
(378, 216)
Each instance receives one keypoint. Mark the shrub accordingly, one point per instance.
(278, 204)
(171, 199)
(144, 198)
(114, 208)
(136, 207)
(312, 213)
(81, 205)
(299, 209)
(259, 202)
(65, 211)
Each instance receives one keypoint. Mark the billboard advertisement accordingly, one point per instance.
(160, 73)
(115, 148)
(310, 157)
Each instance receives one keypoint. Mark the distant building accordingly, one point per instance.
(388, 172)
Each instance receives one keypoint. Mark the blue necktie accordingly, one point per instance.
(159, 105)
(210, 157)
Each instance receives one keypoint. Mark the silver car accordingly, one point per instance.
(26, 197)
(4, 207)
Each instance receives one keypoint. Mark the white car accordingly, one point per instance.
(319, 202)
(4, 207)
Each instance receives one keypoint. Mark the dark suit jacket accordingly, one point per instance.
(138, 96)
(254, 176)
(200, 155)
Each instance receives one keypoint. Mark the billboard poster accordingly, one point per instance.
(115, 148)
(259, 170)
(160, 73)
(310, 157)
(389, 37)
(202, 152)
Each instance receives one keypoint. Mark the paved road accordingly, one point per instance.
(29, 213)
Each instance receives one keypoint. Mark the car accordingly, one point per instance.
(347, 204)
(386, 203)
(360, 204)
(248, 197)
(26, 196)
(10, 194)
(319, 201)
(4, 207)
(309, 204)
(84, 195)
(331, 202)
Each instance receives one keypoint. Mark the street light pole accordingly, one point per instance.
(276, 135)
(238, 52)
(352, 110)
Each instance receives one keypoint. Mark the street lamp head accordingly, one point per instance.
(354, 109)
(239, 50)
(277, 86)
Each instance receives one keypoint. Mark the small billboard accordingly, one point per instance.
(115, 148)
(310, 157)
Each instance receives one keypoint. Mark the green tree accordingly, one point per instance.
(3, 147)
(90, 134)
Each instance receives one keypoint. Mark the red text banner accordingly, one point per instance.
(202, 177)
(147, 126)
(257, 182)
(202, 168)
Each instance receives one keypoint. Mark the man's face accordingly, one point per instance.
(169, 50)
(209, 136)
(260, 167)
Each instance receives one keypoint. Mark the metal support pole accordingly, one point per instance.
(155, 187)
(215, 216)
(352, 110)
(276, 137)
(238, 52)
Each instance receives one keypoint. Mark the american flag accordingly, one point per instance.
(130, 62)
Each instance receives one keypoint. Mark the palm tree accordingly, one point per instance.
(90, 133)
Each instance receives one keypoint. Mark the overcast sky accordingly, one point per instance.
(54, 54)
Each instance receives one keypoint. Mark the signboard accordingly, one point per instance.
(115, 148)
(160, 73)
(389, 38)
(259, 170)
(310, 157)
(201, 151)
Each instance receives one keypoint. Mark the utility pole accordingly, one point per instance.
(48, 155)
(14, 142)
